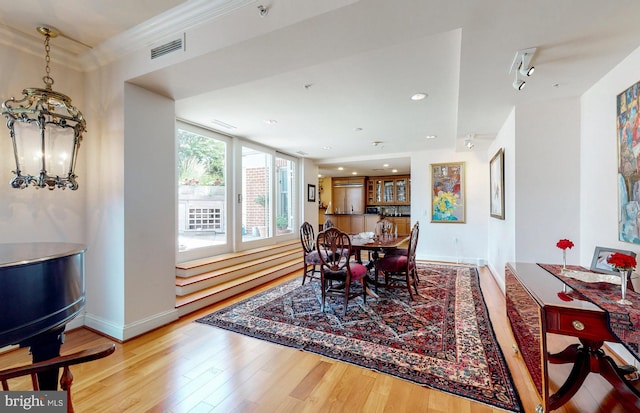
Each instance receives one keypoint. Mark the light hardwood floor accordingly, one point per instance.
(190, 367)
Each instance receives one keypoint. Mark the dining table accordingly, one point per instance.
(376, 244)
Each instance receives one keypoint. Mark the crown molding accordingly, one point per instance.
(175, 20)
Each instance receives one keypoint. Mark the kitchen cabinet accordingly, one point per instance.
(402, 223)
(388, 190)
(357, 223)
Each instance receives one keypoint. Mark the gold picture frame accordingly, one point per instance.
(448, 193)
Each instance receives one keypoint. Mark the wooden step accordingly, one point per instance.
(204, 265)
(200, 299)
(185, 286)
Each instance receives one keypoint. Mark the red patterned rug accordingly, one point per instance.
(443, 340)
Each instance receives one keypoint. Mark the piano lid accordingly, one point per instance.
(15, 254)
(41, 288)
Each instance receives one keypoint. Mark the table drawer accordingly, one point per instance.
(586, 324)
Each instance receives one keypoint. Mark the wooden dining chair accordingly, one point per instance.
(310, 255)
(399, 270)
(337, 270)
(402, 251)
(56, 363)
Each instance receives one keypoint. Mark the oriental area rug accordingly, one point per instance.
(443, 340)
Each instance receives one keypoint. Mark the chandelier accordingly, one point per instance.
(46, 131)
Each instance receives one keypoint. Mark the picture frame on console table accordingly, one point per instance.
(496, 184)
(601, 255)
(448, 193)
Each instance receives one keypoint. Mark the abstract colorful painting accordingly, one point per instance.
(447, 193)
(628, 125)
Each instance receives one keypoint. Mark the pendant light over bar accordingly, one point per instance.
(46, 131)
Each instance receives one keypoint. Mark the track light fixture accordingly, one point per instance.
(521, 66)
(262, 11)
(469, 144)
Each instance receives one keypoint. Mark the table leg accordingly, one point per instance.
(590, 358)
(568, 355)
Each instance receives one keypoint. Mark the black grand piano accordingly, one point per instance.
(41, 289)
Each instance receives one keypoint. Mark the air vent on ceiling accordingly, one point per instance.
(170, 47)
(303, 153)
(223, 124)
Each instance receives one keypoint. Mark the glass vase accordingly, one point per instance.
(624, 277)
(564, 259)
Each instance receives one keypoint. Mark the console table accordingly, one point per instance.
(538, 303)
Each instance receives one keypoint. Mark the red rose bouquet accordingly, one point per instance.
(622, 261)
(563, 244)
(624, 264)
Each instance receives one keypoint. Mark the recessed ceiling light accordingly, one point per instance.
(319, 175)
(270, 121)
(431, 136)
(326, 148)
(375, 143)
(340, 168)
(357, 129)
(386, 165)
(354, 173)
(394, 170)
(419, 96)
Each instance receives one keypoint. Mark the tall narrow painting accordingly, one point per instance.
(447, 193)
(628, 128)
(496, 184)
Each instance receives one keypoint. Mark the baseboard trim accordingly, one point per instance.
(126, 332)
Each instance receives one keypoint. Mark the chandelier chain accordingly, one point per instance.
(48, 80)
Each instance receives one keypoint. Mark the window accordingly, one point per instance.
(285, 184)
(258, 200)
(203, 192)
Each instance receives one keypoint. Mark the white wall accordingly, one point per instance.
(104, 152)
(150, 216)
(444, 241)
(308, 176)
(501, 233)
(130, 271)
(547, 180)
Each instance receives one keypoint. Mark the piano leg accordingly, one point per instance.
(44, 347)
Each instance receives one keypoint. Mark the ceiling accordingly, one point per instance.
(326, 80)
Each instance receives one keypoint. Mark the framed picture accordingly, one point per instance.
(496, 184)
(600, 257)
(447, 193)
(311, 193)
(628, 179)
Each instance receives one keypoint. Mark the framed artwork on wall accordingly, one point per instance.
(496, 184)
(311, 193)
(601, 255)
(448, 193)
(628, 137)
